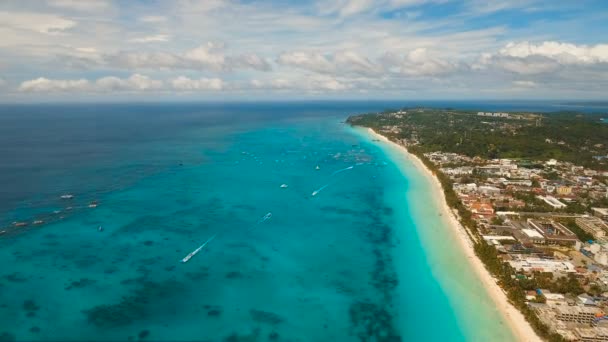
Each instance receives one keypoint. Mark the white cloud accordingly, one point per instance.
(561, 52)
(80, 5)
(151, 39)
(345, 8)
(37, 22)
(153, 19)
(310, 84)
(135, 82)
(46, 85)
(525, 84)
(186, 84)
(313, 61)
(211, 56)
(549, 57)
(341, 62)
(418, 62)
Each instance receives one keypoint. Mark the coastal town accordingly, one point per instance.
(540, 225)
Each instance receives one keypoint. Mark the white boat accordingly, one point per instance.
(67, 196)
(284, 186)
(194, 252)
(317, 168)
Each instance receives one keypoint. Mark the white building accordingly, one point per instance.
(542, 265)
(552, 201)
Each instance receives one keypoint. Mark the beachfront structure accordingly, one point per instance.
(533, 264)
(574, 323)
(576, 314)
(592, 225)
(552, 201)
(601, 213)
(554, 233)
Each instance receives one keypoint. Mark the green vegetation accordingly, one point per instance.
(565, 136)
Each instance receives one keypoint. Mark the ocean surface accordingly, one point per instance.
(366, 258)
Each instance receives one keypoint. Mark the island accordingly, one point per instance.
(529, 192)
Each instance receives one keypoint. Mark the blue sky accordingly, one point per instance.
(78, 50)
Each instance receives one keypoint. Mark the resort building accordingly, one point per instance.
(601, 213)
(533, 264)
(552, 201)
(554, 233)
(592, 225)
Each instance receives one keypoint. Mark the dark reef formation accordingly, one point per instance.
(130, 308)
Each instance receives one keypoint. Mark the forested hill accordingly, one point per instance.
(567, 136)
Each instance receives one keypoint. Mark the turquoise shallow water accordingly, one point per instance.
(364, 260)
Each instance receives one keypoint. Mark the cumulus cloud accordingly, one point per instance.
(313, 61)
(345, 8)
(135, 82)
(151, 39)
(313, 84)
(341, 62)
(186, 84)
(211, 56)
(46, 85)
(80, 5)
(418, 62)
(37, 22)
(525, 84)
(547, 57)
(563, 53)
(153, 19)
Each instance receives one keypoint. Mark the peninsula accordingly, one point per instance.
(528, 195)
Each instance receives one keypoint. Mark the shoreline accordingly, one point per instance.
(521, 329)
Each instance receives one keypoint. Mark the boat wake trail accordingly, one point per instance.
(316, 192)
(193, 253)
(342, 170)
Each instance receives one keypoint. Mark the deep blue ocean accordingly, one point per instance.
(152, 182)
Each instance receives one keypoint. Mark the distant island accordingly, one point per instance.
(531, 190)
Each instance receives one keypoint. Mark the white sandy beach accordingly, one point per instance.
(520, 327)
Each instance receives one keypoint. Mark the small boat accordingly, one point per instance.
(266, 217)
(67, 196)
(100, 229)
(19, 224)
(194, 252)
(284, 186)
(2, 232)
(317, 167)
(93, 204)
(38, 222)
